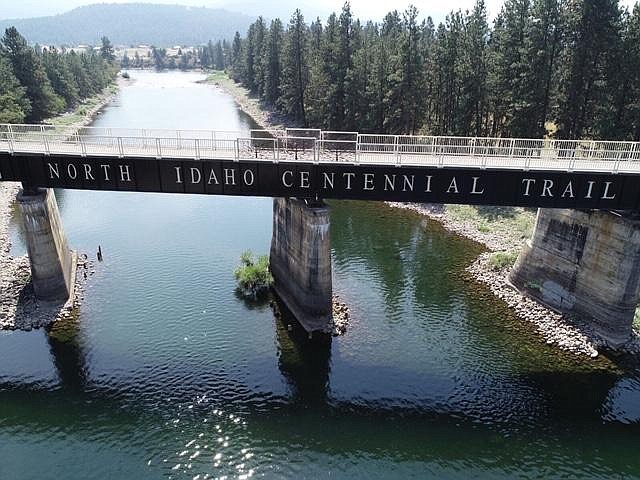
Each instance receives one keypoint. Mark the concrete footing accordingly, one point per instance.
(51, 260)
(301, 260)
(586, 263)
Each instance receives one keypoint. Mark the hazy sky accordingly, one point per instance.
(363, 9)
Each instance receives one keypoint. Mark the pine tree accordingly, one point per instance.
(14, 104)
(28, 69)
(106, 50)
(295, 69)
(60, 76)
(541, 49)
(272, 65)
(584, 99)
(472, 70)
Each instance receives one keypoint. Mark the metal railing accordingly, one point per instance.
(312, 145)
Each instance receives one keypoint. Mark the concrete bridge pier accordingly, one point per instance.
(586, 263)
(301, 260)
(50, 257)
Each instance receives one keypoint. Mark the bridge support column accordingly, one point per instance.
(301, 260)
(586, 263)
(46, 244)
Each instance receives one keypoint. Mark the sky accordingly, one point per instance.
(363, 9)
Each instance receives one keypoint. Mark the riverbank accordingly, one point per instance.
(268, 119)
(502, 230)
(19, 308)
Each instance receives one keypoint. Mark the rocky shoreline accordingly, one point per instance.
(19, 308)
(565, 332)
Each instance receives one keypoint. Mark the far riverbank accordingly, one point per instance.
(502, 230)
(19, 309)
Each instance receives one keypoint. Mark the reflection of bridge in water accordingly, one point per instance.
(584, 262)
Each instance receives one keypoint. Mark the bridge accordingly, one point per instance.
(584, 257)
(316, 164)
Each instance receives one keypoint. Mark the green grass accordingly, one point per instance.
(216, 76)
(502, 260)
(513, 223)
(253, 275)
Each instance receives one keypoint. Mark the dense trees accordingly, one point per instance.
(38, 83)
(569, 68)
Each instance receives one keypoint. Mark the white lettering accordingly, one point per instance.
(568, 190)
(72, 171)
(195, 171)
(327, 180)
(474, 190)
(284, 179)
(53, 170)
(349, 176)
(87, 172)
(390, 182)
(105, 169)
(213, 178)
(124, 172)
(528, 181)
(546, 188)
(606, 192)
(453, 185)
(590, 190)
(428, 189)
(248, 179)
(229, 176)
(368, 181)
(304, 179)
(408, 183)
(178, 174)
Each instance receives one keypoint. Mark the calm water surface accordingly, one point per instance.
(167, 373)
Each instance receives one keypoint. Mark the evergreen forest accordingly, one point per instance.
(37, 83)
(562, 68)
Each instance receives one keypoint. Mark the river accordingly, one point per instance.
(167, 373)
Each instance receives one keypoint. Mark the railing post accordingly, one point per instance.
(179, 139)
(357, 153)
(120, 149)
(213, 140)
(512, 147)
(237, 150)
(473, 146)
(197, 149)
(10, 139)
(396, 148)
(315, 151)
(158, 149)
(47, 151)
(83, 147)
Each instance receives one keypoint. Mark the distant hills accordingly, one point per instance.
(133, 24)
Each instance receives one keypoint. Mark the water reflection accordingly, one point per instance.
(66, 351)
(305, 362)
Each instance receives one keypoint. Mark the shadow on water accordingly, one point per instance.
(66, 351)
(304, 362)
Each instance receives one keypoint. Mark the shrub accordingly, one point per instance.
(253, 276)
(502, 260)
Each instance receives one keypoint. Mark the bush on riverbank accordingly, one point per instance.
(253, 275)
(502, 260)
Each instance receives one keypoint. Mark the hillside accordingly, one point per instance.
(132, 24)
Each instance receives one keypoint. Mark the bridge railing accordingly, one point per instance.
(324, 146)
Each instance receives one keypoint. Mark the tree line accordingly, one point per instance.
(565, 68)
(38, 83)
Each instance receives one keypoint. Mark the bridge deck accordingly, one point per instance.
(326, 147)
